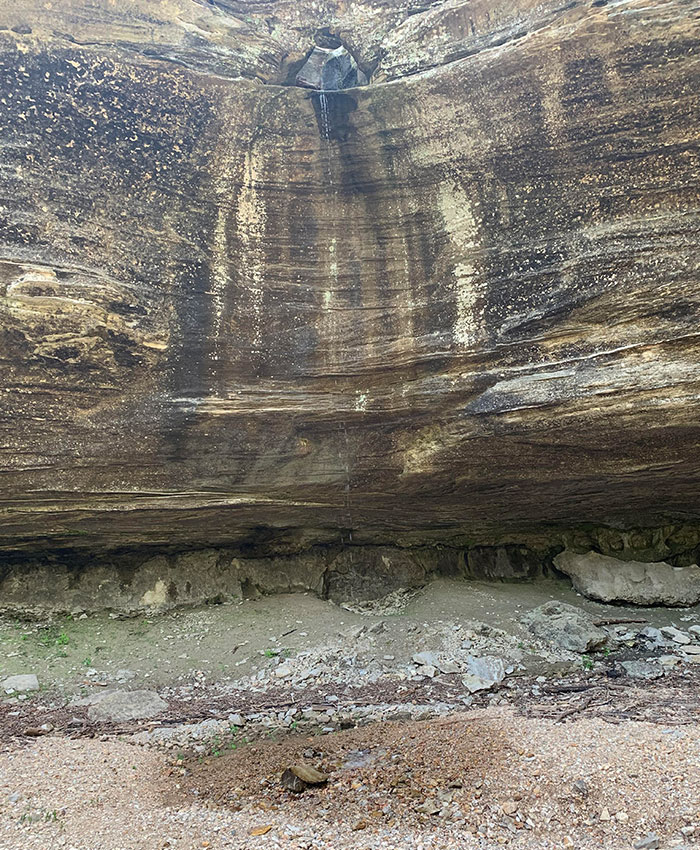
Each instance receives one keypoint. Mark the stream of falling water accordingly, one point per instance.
(344, 446)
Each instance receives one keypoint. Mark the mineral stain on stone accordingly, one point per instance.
(436, 309)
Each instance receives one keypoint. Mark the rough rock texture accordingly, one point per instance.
(21, 683)
(610, 580)
(132, 582)
(565, 626)
(457, 302)
(121, 706)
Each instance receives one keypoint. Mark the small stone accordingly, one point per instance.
(260, 830)
(429, 807)
(283, 671)
(676, 635)
(21, 684)
(654, 636)
(691, 649)
(309, 774)
(236, 720)
(427, 659)
(448, 667)
(14, 797)
(483, 673)
(121, 706)
(581, 787)
(605, 815)
(428, 671)
(694, 630)
(292, 782)
(622, 817)
(649, 842)
(510, 807)
(642, 669)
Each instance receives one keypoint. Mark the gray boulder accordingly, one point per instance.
(638, 583)
(121, 706)
(642, 669)
(483, 673)
(565, 627)
(21, 684)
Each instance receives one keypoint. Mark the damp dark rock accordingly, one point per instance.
(330, 70)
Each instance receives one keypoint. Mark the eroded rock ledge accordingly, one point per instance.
(452, 307)
(152, 579)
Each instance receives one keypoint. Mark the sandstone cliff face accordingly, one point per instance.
(457, 303)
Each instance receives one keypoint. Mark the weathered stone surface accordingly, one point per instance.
(21, 683)
(611, 580)
(330, 70)
(565, 626)
(503, 562)
(132, 582)
(483, 673)
(642, 669)
(122, 706)
(461, 302)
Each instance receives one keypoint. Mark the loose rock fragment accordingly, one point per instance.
(676, 635)
(122, 706)
(291, 782)
(22, 683)
(309, 774)
(642, 669)
(483, 673)
(566, 627)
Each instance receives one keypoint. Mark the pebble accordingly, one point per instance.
(649, 842)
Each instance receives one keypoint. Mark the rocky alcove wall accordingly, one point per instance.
(456, 307)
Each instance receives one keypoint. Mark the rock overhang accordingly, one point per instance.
(463, 329)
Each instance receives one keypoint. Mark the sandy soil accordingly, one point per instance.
(486, 778)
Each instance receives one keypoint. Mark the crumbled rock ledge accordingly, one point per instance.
(643, 566)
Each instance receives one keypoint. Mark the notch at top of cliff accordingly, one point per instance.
(330, 69)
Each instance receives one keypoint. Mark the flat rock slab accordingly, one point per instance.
(21, 684)
(565, 626)
(642, 669)
(483, 673)
(121, 706)
(635, 582)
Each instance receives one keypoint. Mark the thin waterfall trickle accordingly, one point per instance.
(325, 127)
(325, 116)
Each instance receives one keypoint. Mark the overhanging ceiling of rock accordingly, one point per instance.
(462, 298)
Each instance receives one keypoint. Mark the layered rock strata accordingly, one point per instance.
(457, 305)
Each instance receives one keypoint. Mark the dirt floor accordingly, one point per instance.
(227, 642)
(486, 778)
(568, 751)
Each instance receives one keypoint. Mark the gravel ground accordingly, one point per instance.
(481, 779)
